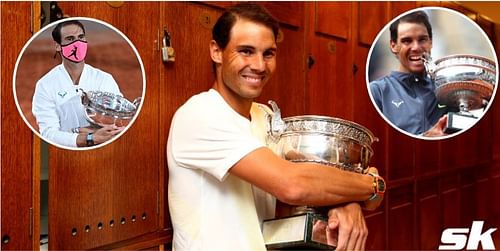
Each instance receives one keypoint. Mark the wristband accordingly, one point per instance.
(378, 186)
(90, 139)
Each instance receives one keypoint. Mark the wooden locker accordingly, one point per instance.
(17, 193)
(116, 192)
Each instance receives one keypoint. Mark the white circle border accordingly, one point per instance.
(387, 27)
(51, 25)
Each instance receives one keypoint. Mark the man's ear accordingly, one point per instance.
(58, 47)
(394, 47)
(215, 52)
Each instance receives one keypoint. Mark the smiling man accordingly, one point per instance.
(223, 180)
(406, 96)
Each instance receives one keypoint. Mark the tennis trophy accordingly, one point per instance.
(319, 139)
(105, 108)
(464, 82)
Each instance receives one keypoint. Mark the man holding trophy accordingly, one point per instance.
(223, 180)
(406, 97)
(431, 98)
(57, 104)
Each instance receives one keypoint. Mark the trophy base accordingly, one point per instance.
(458, 121)
(303, 231)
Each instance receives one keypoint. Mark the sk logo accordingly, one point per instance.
(397, 103)
(62, 94)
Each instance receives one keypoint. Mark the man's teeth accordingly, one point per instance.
(416, 58)
(251, 79)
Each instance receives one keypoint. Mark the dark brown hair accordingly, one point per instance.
(56, 32)
(417, 17)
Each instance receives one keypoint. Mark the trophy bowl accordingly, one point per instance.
(326, 140)
(105, 108)
(464, 81)
(318, 139)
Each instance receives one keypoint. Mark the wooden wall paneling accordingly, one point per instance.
(287, 86)
(219, 4)
(497, 40)
(427, 157)
(401, 7)
(467, 153)
(377, 228)
(330, 86)
(333, 18)
(330, 80)
(401, 150)
(401, 215)
(429, 220)
(483, 188)
(494, 112)
(450, 199)
(290, 13)
(428, 4)
(485, 137)
(494, 173)
(372, 16)
(364, 111)
(122, 180)
(467, 196)
(450, 158)
(16, 138)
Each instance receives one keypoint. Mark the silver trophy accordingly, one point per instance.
(105, 108)
(465, 82)
(325, 140)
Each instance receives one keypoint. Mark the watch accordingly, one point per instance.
(378, 186)
(90, 139)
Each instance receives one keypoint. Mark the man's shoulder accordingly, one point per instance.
(385, 80)
(95, 71)
(51, 74)
(198, 103)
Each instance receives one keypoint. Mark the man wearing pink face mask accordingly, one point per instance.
(57, 103)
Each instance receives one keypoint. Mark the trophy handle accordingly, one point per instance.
(276, 124)
(85, 97)
(137, 101)
(430, 66)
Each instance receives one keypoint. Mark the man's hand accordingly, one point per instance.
(106, 133)
(438, 129)
(350, 222)
(87, 129)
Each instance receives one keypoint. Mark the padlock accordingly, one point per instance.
(168, 54)
(167, 51)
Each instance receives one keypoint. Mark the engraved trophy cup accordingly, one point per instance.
(462, 81)
(325, 140)
(105, 108)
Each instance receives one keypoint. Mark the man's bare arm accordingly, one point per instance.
(302, 183)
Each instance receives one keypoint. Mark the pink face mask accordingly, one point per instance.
(75, 51)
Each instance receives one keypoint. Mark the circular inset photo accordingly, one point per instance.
(79, 83)
(432, 73)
